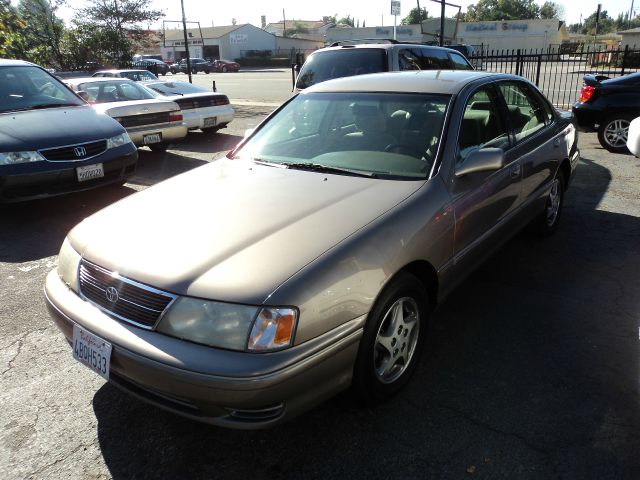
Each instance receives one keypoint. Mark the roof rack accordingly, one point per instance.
(363, 40)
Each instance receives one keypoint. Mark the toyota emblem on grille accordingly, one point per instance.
(80, 151)
(112, 294)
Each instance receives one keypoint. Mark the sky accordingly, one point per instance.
(373, 12)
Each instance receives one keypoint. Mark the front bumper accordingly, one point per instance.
(62, 179)
(225, 388)
(170, 132)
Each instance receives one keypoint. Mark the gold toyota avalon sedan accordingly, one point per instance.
(245, 291)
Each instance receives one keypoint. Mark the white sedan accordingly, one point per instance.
(633, 137)
(201, 108)
(149, 121)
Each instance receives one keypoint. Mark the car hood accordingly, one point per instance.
(136, 107)
(232, 230)
(54, 127)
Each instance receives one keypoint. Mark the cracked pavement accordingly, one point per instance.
(531, 368)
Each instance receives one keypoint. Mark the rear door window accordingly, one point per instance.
(416, 58)
(459, 62)
(322, 66)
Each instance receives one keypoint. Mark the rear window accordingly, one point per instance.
(322, 66)
(417, 58)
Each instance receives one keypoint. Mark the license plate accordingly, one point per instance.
(89, 172)
(210, 122)
(92, 351)
(152, 138)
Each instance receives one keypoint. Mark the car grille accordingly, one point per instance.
(134, 302)
(145, 119)
(213, 101)
(80, 151)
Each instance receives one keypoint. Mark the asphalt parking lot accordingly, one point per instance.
(532, 366)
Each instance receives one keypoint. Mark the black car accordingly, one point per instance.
(53, 142)
(197, 65)
(608, 105)
(158, 67)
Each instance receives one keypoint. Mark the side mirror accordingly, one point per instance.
(482, 160)
(83, 95)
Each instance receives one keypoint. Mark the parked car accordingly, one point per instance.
(345, 60)
(249, 289)
(633, 137)
(201, 108)
(131, 74)
(157, 67)
(608, 105)
(222, 65)
(197, 65)
(149, 121)
(51, 141)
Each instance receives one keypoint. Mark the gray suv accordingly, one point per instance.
(347, 60)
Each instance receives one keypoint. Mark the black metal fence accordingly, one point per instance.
(559, 71)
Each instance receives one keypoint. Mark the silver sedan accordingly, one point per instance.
(247, 290)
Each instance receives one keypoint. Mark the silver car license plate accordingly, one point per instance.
(152, 138)
(210, 122)
(89, 172)
(92, 351)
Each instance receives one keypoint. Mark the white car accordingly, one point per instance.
(201, 108)
(149, 121)
(633, 137)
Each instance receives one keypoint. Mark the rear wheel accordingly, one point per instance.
(613, 132)
(548, 221)
(392, 339)
(224, 68)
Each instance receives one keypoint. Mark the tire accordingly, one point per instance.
(390, 346)
(159, 147)
(547, 222)
(207, 71)
(613, 131)
(224, 69)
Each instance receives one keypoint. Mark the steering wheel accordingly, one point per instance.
(402, 148)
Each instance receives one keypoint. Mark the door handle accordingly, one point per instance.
(556, 143)
(515, 171)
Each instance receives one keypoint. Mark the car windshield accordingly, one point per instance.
(386, 135)
(116, 90)
(175, 88)
(323, 66)
(26, 87)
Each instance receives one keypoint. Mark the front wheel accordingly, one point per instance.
(392, 339)
(224, 69)
(613, 132)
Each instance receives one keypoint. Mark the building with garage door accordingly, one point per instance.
(229, 42)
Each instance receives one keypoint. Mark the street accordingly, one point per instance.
(531, 368)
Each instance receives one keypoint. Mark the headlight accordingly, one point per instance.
(231, 326)
(68, 263)
(118, 140)
(11, 158)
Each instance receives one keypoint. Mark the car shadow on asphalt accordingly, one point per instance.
(530, 371)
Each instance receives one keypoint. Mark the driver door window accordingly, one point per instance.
(482, 125)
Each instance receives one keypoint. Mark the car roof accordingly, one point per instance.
(423, 81)
(79, 80)
(131, 70)
(7, 62)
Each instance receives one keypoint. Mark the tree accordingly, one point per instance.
(346, 21)
(43, 32)
(551, 10)
(115, 18)
(606, 24)
(491, 10)
(416, 16)
(11, 31)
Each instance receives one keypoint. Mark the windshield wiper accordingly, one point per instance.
(318, 167)
(41, 106)
(260, 161)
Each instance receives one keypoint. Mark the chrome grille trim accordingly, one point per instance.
(65, 153)
(138, 304)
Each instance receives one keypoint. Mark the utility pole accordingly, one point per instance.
(186, 40)
(442, 3)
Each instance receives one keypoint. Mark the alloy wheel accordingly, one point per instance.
(616, 132)
(553, 202)
(396, 340)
